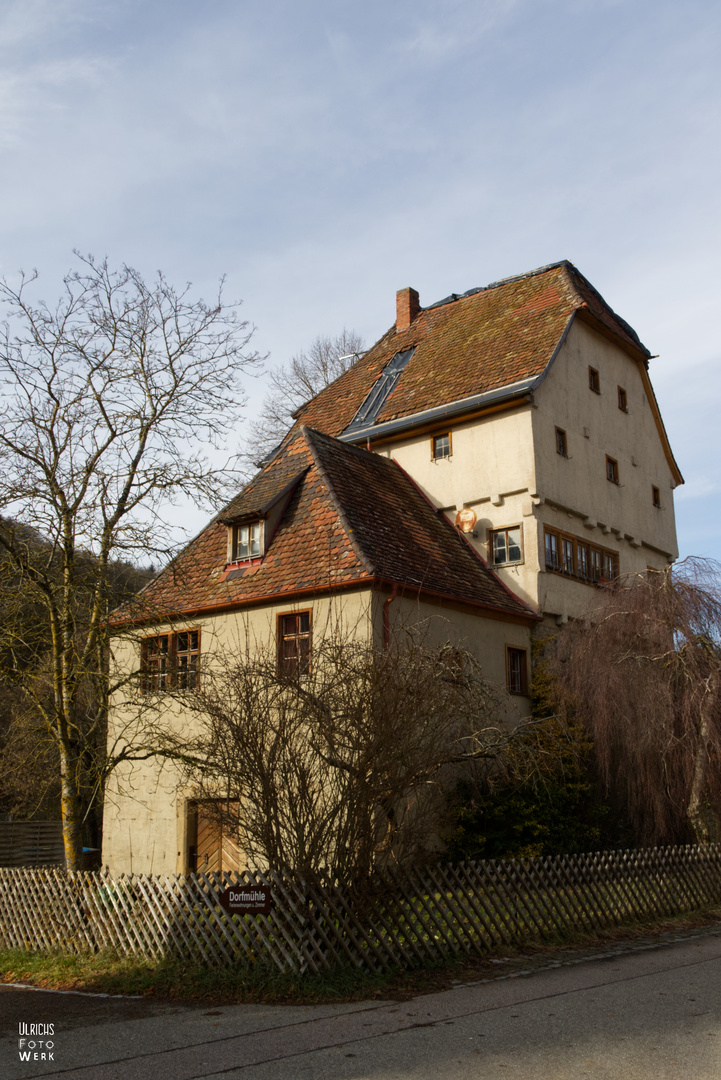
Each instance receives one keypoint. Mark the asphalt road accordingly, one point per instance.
(644, 1015)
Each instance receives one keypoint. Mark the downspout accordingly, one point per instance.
(387, 617)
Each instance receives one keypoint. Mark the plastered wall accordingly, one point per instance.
(505, 466)
(144, 819)
(145, 813)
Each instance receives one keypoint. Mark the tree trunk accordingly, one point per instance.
(72, 814)
(697, 816)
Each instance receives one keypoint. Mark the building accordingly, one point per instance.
(529, 404)
(486, 466)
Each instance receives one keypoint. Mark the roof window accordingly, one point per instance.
(380, 390)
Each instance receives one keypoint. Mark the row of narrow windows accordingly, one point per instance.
(564, 553)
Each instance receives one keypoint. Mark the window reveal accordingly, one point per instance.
(612, 469)
(506, 546)
(294, 644)
(551, 551)
(578, 559)
(247, 541)
(187, 654)
(170, 662)
(516, 670)
(441, 446)
(156, 663)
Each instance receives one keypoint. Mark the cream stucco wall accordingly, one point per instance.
(491, 470)
(574, 493)
(505, 466)
(145, 819)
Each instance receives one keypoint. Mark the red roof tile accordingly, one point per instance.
(471, 344)
(353, 518)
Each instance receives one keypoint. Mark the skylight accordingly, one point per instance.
(380, 390)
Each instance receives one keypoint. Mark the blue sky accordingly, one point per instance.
(324, 154)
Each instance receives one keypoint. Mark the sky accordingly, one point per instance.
(324, 154)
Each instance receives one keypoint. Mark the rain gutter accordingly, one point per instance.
(440, 412)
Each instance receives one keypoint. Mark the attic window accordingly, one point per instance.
(247, 541)
(594, 380)
(622, 399)
(656, 496)
(376, 398)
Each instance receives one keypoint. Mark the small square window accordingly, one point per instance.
(612, 469)
(656, 494)
(622, 399)
(594, 380)
(561, 445)
(441, 446)
(247, 541)
(506, 546)
(516, 670)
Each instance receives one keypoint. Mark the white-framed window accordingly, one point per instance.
(247, 541)
(506, 546)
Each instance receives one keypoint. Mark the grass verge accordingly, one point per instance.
(107, 973)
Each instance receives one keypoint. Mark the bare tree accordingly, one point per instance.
(295, 383)
(348, 765)
(108, 400)
(643, 671)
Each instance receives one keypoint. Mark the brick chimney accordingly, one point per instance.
(407, 307)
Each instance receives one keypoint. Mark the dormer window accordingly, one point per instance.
(247, 541)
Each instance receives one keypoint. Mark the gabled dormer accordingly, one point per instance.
(253, 518)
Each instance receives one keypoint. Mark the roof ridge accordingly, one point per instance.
(308, 434)
(502, 281)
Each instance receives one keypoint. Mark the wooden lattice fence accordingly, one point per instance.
(31, 843)
(404, 920)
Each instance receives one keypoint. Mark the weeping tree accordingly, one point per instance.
(347, 765)
(643, 671)
(108, 398)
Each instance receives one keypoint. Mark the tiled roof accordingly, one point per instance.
(353, 518)
(471, 344)
(403, 537)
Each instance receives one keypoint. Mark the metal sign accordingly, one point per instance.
(246, 900)
(466, 519)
